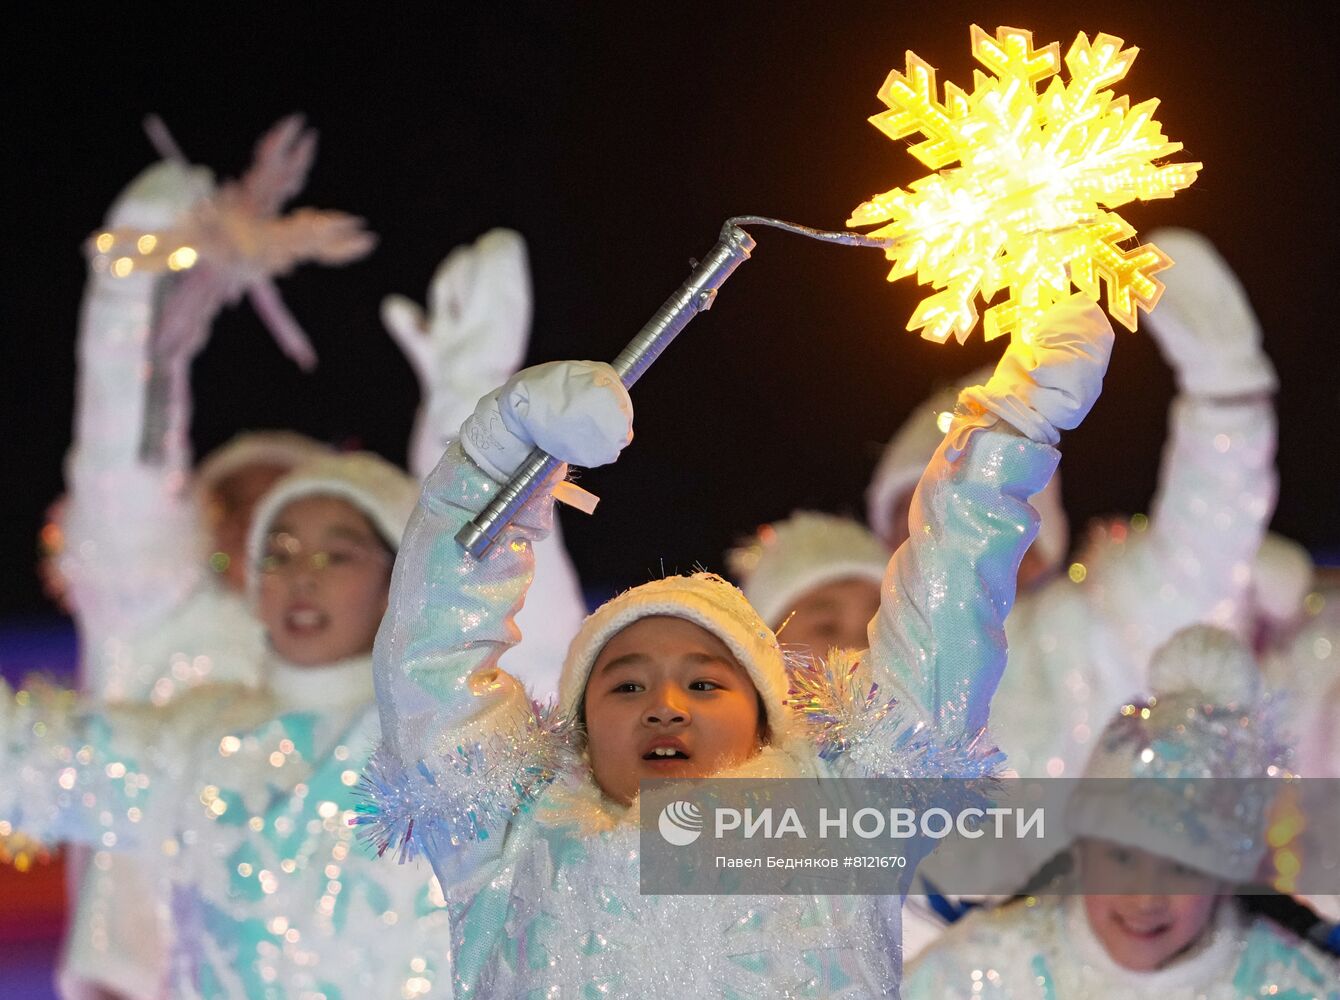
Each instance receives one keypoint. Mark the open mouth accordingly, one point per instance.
(665, 753)
(305, 620)
(1142, 931)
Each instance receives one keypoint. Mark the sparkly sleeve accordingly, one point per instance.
(1217, 486)
(133, 548)
(463, 745)
(939, 635)
(111, 778)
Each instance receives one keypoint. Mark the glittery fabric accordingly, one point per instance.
(1047, 952)
(1078, 651)
(152, 621)
(548, 903)
(244, 805)
(1193, 763)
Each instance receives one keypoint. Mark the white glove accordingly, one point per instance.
(577, 411)
(158, 198)
(480, 308)
(1204, 324)
(1050, 385)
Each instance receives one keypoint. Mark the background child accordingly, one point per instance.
(153, 555)
(1079, 642)
(814, 578)
(1177, 932)
(1081, 647)
(244, 795)
(680, 677)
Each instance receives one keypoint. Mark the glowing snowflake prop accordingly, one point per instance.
(1030, 206)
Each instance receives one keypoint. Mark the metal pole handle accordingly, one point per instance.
(694, 296)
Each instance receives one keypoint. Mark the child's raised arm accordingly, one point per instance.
(939, 635)
(454, 725)
(471, 338)
(134, 547)
(1217, 480)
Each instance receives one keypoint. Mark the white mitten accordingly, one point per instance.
(577, 411)
(1049, 385)
(1204, 324)
(159, 196)
(480, 306)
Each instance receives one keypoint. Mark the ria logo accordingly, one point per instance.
(681, 823)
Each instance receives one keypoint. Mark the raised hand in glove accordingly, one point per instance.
(577, 411)
(1204, 324)
(1048, 385)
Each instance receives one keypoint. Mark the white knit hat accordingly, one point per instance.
(704, 599)
(786, 559)
(285, 449)
(908, 453)
(1207, 720)
(378, 489)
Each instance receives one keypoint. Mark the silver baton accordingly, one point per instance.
(693, 297)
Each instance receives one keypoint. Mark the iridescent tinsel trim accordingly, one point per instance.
(846, 717)
(467, 795)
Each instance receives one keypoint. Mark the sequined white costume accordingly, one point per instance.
(552, 901)
(1206, 720)
(1078, 649)
(242, 798)
(1082, 648)
(1047, 951)
(545, 901)
(153, 620)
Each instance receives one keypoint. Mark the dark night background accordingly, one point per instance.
(616, 138)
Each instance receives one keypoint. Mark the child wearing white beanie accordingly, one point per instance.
(152, 555)
(531, 818)
(1079, 642)
(243, 797)
(1172, 812)
(814, 578)
(154, 552)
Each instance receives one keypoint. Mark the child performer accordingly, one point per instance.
(152, 554)
(154, 621)
(681, 678)
(1078, 647)
(244, 795)
(1081, 647)
(1178, 933)
(814, 578)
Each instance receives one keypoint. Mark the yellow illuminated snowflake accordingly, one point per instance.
(1030, 206)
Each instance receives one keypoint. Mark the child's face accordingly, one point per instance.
(667, 683)
(324, 582)
(832, 616)
(1146, 932)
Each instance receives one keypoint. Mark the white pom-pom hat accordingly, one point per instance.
(704, 599)
(380, 491)
(908, 453)
(285, 449)
(786, 559)
(1176, 764)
